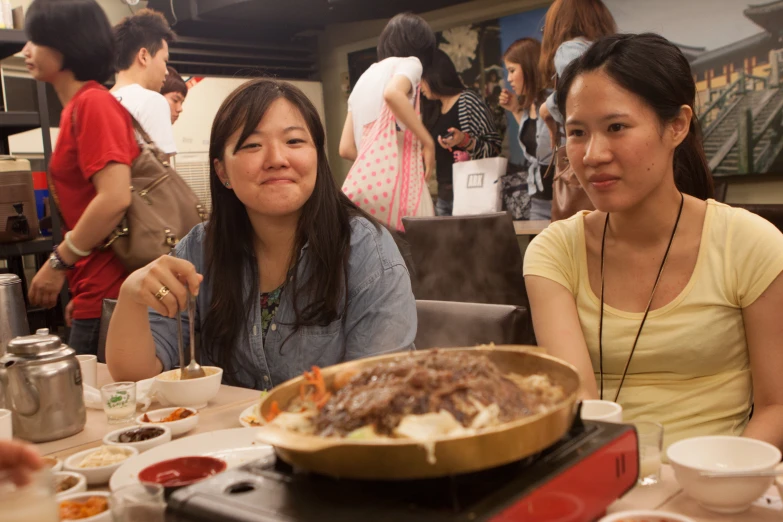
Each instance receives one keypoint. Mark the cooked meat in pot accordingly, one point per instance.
(458, 382)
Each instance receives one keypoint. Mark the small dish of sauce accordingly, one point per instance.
(139, 434)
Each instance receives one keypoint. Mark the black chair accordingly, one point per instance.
(721, 188)
(107, 308)
(444, 324)
(471, 259)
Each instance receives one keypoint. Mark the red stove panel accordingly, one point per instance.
(582, 492)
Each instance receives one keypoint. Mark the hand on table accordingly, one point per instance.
(19, 461)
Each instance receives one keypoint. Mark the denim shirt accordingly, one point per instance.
(543, 155)
(564, 55)
(380, 318)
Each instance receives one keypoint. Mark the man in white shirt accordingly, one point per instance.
(142, 53)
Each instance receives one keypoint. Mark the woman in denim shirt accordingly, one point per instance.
(294, 274)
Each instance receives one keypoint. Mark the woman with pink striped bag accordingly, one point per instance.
(391, 168)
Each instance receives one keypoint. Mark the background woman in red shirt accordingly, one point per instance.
(71, 46)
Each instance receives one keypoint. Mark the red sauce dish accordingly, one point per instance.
(183, 471)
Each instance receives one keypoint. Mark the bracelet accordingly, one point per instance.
(60, 260)
(72, 247)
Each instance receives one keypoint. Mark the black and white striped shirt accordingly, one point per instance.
(476, 120)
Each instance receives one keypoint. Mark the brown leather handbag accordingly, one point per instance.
(163, 208)
(568, 196)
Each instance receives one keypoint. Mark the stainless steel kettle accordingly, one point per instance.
(41, 383)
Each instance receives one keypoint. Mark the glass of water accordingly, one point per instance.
(650, 447)
(138, 503)
(33, 501)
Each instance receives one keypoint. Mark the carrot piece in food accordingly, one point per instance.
(322, 402)
(318, 382)
(274, 411)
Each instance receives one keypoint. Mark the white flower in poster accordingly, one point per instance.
(460, 45)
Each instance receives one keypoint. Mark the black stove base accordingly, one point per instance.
(588, 469)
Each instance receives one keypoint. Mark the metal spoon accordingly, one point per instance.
(180, 342)
(742, 474)
(192, 370)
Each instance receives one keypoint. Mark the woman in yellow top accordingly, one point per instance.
(662, 295)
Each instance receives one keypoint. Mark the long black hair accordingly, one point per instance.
(443, 80)
(656, 71)
(442, 76)
(324, 226)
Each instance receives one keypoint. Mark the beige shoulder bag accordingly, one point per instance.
(163, 208)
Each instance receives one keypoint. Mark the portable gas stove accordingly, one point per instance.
(574, 480)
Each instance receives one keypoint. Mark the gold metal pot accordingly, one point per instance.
(392, 459)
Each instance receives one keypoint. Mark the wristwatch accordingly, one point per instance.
(56, 262)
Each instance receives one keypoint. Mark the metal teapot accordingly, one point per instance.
(41, 383)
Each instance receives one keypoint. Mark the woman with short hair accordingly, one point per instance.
(91, 164)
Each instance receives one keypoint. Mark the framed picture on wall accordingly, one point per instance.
(358, 62)
(735, 50)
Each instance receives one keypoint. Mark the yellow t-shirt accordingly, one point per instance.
(690, 370)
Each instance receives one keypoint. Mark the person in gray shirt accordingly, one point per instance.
(288, 272)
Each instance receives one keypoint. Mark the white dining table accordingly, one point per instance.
(530, 227)
(667, 495)
(223, 413)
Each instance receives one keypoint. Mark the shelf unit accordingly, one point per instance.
(12, 42)
(39, 245)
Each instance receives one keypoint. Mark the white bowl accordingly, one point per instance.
(645, 515)
(177, 428)
(111, 439)
(690, 457)
(81, 497)
(779, 482)
(192, 393)
(56, 466)
(605, 411)
(100, 475)
(81, 483)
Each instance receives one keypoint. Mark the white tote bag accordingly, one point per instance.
(477, 186)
